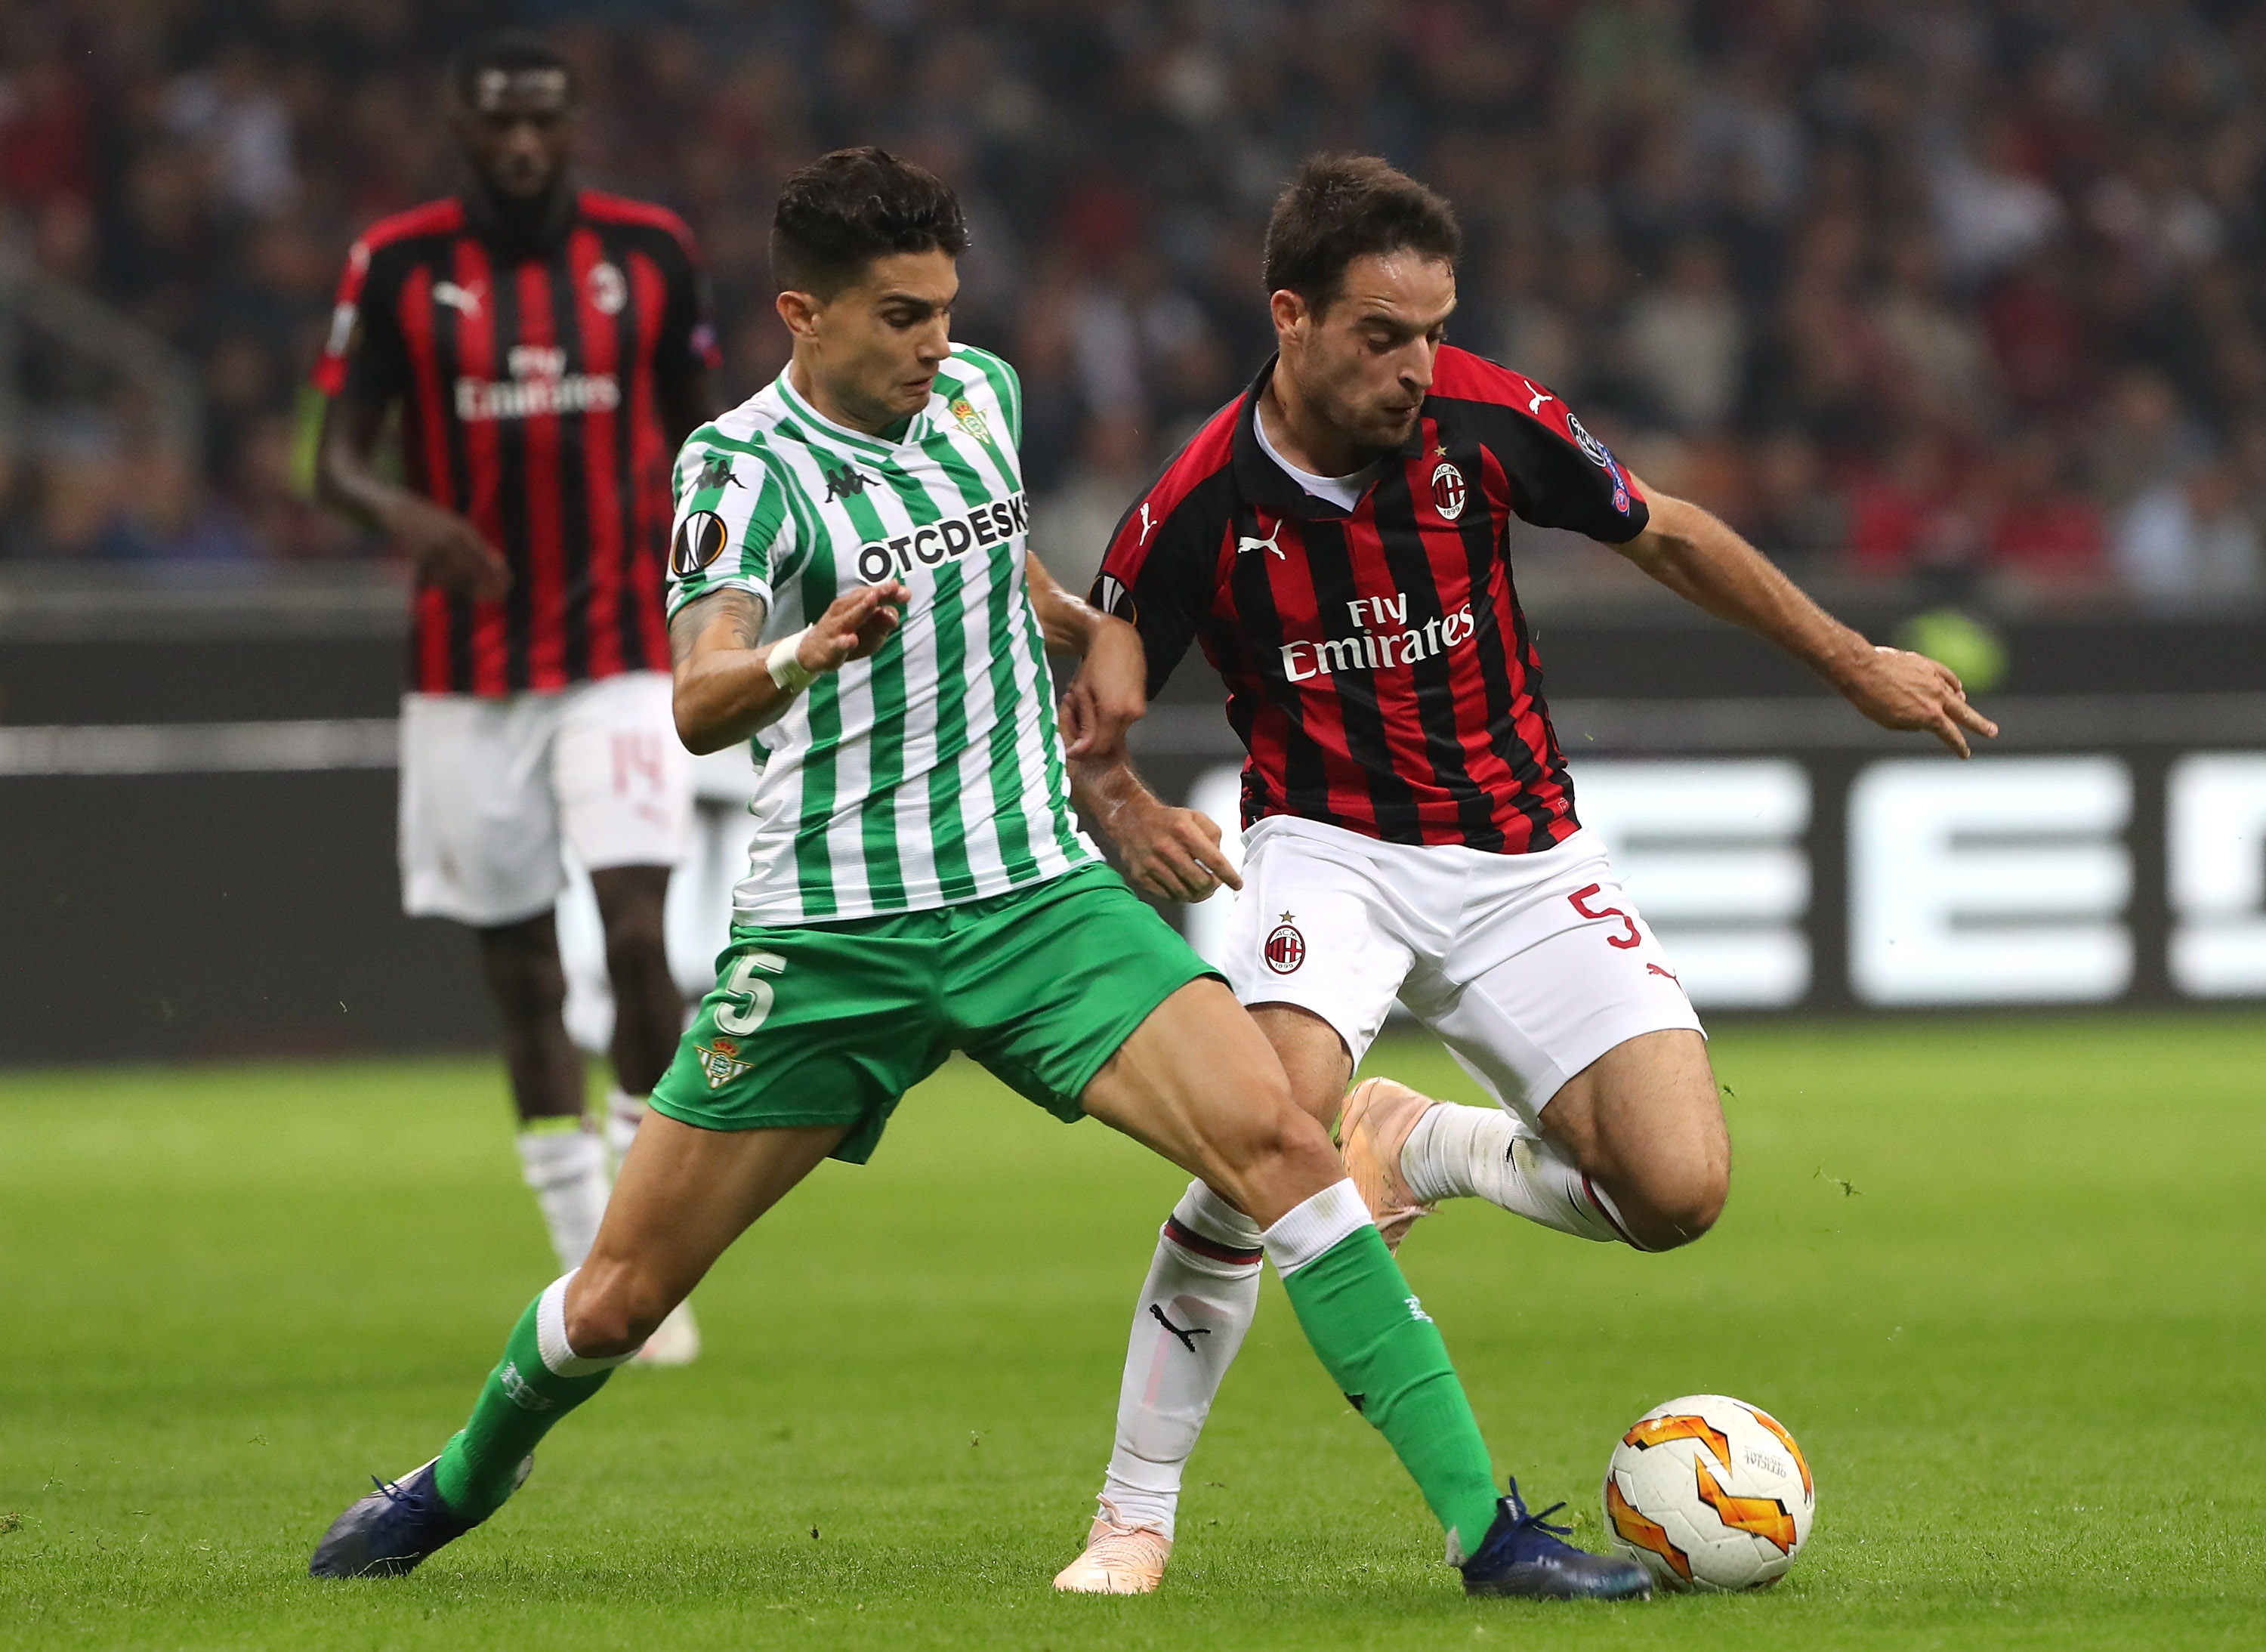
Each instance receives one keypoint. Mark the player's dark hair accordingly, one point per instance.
(514, 51)
(844, 210)
(1343, 207)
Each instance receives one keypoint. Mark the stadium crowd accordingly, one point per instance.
(1965, 291)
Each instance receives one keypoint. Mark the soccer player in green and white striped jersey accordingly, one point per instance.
(930, 774)
(849, 588)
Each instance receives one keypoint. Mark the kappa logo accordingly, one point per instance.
(1448, 490)
(465, 301)
(721, 1062)
(700, 541)
(1244, 541)
(848, 482)
(1286, 948)
(717, 472)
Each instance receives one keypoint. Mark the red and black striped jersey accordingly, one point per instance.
(1379, 672)
(529, 382)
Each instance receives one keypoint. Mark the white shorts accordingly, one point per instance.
(490, 788)
(1528, 966)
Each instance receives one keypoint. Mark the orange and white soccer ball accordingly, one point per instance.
(1707, 1492)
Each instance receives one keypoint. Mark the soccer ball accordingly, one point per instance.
(1707, 1492)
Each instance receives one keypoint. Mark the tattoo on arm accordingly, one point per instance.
(743, 610)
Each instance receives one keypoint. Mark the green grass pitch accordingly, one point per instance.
(2004, 1282)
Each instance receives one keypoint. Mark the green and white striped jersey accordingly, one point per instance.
(932, 773)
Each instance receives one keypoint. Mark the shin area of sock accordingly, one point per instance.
(1374, 1338)
(538, 1380)
(1196, 1307)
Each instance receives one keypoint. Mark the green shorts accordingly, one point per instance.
(831, 1023)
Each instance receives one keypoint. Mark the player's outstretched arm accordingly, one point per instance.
(1111, 692)
(445, 548)
(1170, 854)
(729, 684)
(1699, 558)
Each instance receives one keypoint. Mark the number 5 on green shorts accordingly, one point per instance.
(831, 1023)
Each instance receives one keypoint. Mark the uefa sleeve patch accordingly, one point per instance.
(700, 541)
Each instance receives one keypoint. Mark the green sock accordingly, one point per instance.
(1387, 1356)
(520, 1400)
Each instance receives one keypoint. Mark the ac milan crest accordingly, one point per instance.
(608, 291)
(1448, 490)
(1286, 947)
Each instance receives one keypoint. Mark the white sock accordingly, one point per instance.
(1311, 1230)
(551, 1334)
(567, 1170)
(1461, 1152)
(624, 1113)
(1195, 1307)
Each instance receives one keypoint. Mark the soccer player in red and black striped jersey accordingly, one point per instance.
(1335, 540)
(548, 349)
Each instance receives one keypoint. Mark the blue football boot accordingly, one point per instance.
(388, 1531)
(1524, 1557)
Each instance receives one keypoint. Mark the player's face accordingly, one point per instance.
(517, 130)
(876, 346)
(1365, 362)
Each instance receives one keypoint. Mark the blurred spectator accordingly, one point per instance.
(1687, 340)
(1933, 291)
(232, 114)
(1070, 526)
(2045, 530)
(1989, 210)
(2191, 542)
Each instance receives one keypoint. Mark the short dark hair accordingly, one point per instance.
(844, 210)
(1343, 207)
(513, 51)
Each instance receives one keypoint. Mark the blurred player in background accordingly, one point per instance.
(548, 347)
(1336, 538)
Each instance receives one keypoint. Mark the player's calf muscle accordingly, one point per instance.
(1644, 1123)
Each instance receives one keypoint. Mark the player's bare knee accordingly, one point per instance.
(637, 948)
(523, 974)
(1680, 1204)
(614, 1317)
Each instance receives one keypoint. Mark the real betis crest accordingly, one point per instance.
(721, 1061)
(970, 420)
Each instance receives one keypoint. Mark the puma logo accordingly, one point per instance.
(1653, 968)
(1540, 396)
(1187, 1338)
(465, 301)
(1244, 542)
(1147, 527)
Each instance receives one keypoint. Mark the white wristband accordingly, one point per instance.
(784, 663)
